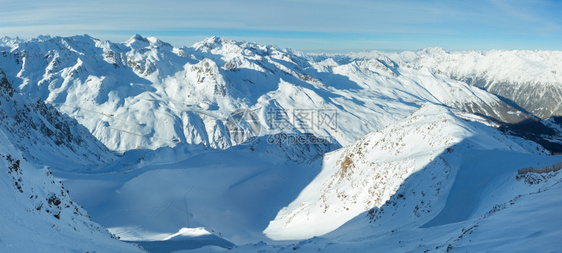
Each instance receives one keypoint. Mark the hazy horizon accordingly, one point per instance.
(311, 26)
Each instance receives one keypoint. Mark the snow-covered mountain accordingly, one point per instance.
(406, 188)
(415, 173)
(37, 213)
(425, 148)
(530, 79)
(144, 93)
(45, 135)
(232, 143)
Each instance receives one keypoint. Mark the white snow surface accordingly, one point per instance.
(459, 193)
(38, 215)
(369, 172)
(46, 136)
(430, 170)
(412, 167)
(531, 79)
(146, 94)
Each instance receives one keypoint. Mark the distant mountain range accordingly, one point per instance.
(144, 93)
(234, 144)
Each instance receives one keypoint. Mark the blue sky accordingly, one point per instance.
(310, 26)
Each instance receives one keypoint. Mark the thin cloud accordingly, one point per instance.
(346, 24)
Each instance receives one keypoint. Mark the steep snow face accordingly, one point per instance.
(38, 214)
(144, 93)
(423, 148)
(531, 79)
(44, 135)
(476, 196)
(515, 213)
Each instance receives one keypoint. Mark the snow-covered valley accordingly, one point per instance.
(228, 145)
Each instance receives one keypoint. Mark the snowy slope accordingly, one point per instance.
(254, 192)
(459, 190)
(38, 215)
(527, 221)
(233, 143)
(144, 93)
(232, 194)
(369, 172)
(44, 135)
(531, 79)
(487, 208)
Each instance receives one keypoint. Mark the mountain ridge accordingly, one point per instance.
(241, 142)
(144, 93)
(45, 135)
